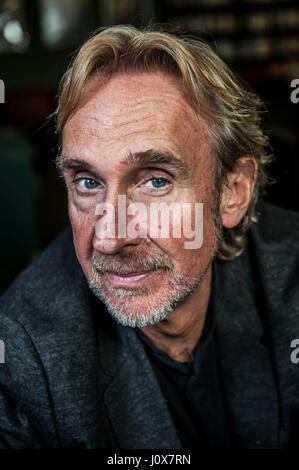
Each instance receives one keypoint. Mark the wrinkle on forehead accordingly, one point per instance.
(129, 94)
(124, 123)
(143, 107)
(108, 118)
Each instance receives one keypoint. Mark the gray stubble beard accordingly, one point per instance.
(151, 311)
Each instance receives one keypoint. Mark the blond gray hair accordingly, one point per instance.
(230, 108)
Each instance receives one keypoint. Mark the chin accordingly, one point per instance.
(137, 312)
(144, 306)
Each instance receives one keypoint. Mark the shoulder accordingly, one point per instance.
(46, 287)
(276, 226)
(268, 269)
(46, 325)
(274, 239)
(273, 243)
(273, 249)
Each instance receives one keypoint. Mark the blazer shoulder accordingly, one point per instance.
(274, 239)
(277, 226)
(274, 252)
(46, 285)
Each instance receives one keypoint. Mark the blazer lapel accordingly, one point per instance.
(246, 366)
(134, 403)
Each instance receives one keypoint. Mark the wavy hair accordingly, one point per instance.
(230, 108)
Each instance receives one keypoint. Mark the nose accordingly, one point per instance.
(111, 234)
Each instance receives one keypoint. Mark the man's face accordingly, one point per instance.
(138, 137)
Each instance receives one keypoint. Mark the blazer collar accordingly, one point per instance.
(134, 404)
(246, 367)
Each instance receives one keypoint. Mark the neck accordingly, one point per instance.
(180, 332)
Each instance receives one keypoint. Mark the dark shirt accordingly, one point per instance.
(193, 391)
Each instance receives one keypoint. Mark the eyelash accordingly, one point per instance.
(77, 181)
(151, 178)
(81, 191)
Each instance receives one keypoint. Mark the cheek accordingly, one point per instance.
(83, 225)
(202, 235)
(209, 230)
(185, 261)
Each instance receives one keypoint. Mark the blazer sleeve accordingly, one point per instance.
(27, 419)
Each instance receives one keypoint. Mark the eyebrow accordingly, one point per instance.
(149, 157)
(152, 157)
(64, 163)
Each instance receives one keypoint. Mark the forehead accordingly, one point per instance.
(132, 113)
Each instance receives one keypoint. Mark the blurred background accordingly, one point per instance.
(259, 39)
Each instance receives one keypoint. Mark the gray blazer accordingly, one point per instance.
(73, 377)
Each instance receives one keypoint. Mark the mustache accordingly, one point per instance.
(126, 263)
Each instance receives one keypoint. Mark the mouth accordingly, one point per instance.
(130, 279)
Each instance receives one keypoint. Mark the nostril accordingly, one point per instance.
(106, 245)
(111, 245)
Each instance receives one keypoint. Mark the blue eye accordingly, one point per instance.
(158, 182)
(88, 183)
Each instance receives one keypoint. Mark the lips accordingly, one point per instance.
(131, 279)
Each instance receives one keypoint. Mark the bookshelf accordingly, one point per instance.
(259, 38)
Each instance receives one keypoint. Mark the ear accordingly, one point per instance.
(237, 194)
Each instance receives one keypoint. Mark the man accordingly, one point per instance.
(119, 337)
